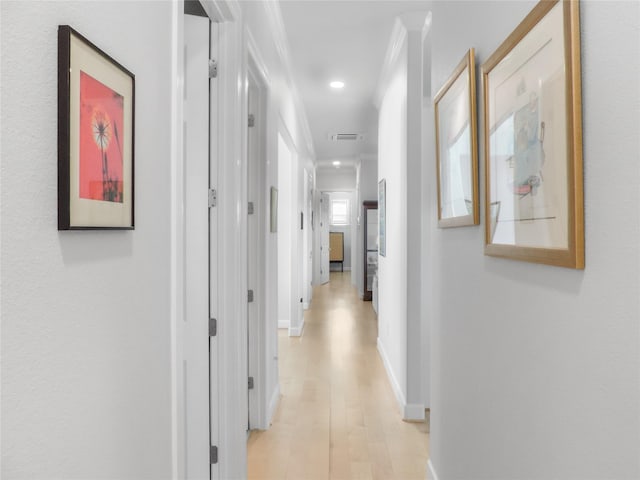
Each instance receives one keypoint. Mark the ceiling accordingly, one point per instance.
(341, 40)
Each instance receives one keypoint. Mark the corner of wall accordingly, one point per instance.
(297, 330)
(273, 405)
(395, 386)
(431, 471)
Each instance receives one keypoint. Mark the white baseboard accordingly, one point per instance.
(305, 305)
(283, 323)
(297, 331)
(414, 411)
(431, 471)
(409, 411)
(273, 405)
(392, 378)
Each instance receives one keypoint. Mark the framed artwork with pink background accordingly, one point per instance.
(95, 137)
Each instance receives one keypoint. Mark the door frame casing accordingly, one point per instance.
(261, 319)
(230, 278)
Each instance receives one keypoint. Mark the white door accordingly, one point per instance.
(196, 293)
(324, 237)
(214, 253)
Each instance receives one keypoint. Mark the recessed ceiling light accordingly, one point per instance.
(336, 84)
(336, 163)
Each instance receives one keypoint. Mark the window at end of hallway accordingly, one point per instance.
(340, 212)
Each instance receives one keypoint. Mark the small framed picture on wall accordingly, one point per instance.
(96, 105)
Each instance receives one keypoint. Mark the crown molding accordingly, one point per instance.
(256, 57)
(222, 10)
(405, 23)
(274, 17)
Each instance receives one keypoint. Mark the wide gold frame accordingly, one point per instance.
(573, 256)
(469, 63)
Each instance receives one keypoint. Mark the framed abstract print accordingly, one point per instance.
(95, 137)
(533, 140)
(457, 147)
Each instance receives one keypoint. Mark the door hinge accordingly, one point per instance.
(213, 455)
(213, 197)
(250, 296)
(213, 327)
(252, 120)
(250, 383)
(250, 208)
(213, 68)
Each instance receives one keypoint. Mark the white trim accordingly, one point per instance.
(400, 398)
(257, 91)
(297, 331)
(403, 23)
(276, 24)
(177, 243)
(305, 305)
(229, 420)
(258, 60)
(414, 411)
(273, 405)
(283, 323)
(411, 411)
(431, 471)
(398, 36)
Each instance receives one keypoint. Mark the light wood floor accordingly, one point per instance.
(337, 417)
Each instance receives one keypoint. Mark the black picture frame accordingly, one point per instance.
(96, 103)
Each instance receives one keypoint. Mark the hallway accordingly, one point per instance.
(337, 417)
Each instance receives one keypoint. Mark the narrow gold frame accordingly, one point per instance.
(469, 63)
(573, 256)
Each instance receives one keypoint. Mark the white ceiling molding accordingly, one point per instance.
(411, 21)
(274, 17)
(256, 57)
(222, 10)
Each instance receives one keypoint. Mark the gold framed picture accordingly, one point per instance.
(533, 140)
(457, 147)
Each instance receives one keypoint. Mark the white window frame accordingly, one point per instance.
(347, 216)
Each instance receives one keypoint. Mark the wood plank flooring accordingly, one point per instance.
(337, 418)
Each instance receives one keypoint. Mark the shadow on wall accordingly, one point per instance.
(90, 246)
(565, 280)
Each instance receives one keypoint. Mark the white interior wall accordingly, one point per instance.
(264, 28)
(400, 163)
(306, 283)
(535, 368)
(264, 24)
(284, 234)
(335, 179)
(86, 334)
(392, 269)
(297, 248)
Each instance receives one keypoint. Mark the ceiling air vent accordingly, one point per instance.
(346, 137)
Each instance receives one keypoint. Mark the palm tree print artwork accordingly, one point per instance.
(101, 162)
